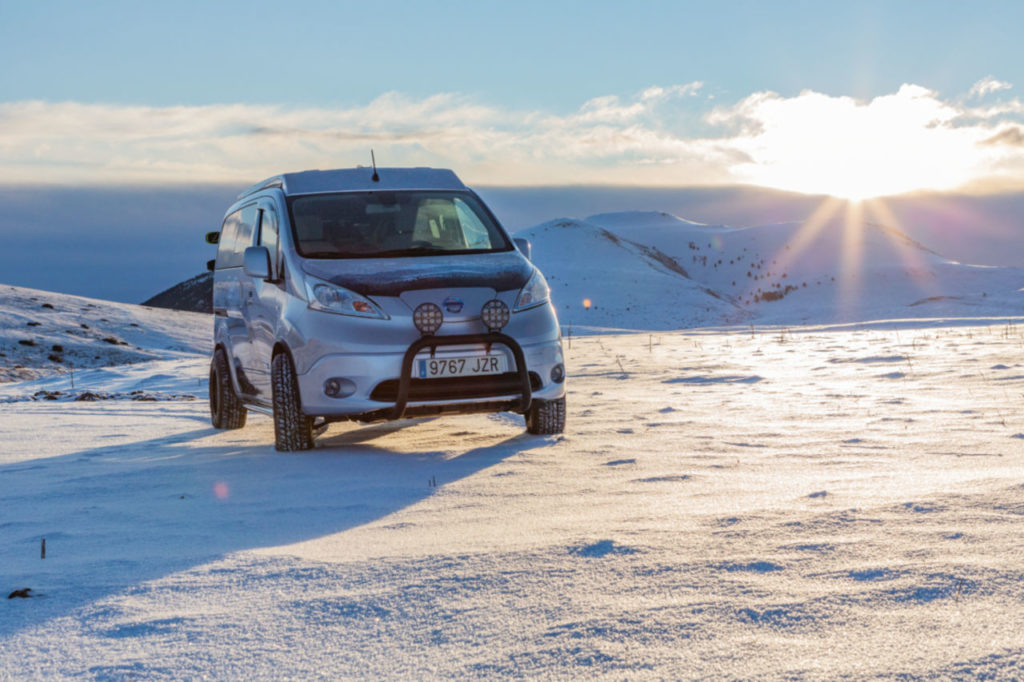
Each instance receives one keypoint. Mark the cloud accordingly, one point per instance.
(1012, 136)
(894, 143)
(71, 142)
(662, 135)
(987, 86)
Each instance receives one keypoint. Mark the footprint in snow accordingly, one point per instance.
(601, 548)
(755, 566)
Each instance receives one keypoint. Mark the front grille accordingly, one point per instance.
(455, 388)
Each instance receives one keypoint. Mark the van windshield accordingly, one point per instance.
(392, 223)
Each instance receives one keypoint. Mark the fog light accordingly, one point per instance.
(428, 318)
(339, 387)
(494, 315)
(558, 373)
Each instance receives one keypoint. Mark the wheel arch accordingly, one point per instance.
(221, 347)
(281, 347)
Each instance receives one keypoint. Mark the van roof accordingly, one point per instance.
(359, 179)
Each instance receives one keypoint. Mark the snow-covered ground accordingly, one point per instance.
(806, 499)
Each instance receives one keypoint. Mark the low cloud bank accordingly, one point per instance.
(912, 139)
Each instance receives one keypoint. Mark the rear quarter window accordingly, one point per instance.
(235, 237)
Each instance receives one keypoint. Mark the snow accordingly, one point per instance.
(784, 489)
(834, 269)
(44, 333)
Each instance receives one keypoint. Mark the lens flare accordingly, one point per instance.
(220, 490)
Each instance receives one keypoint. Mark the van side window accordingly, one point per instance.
(268, 238)
(246, 230)
(228, 234)
(235, 235)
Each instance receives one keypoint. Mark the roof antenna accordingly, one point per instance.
(373, 160)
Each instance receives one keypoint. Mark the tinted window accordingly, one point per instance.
(235, 236)
(268, 237)
(226, 245)
(403, 223)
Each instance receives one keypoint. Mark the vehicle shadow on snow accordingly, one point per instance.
(115, 517)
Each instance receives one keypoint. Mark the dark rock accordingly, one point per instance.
(193, 295)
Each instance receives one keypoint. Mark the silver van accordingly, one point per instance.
(377, 294)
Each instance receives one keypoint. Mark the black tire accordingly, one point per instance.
(546, 417)
(293, 430)
(226, 410)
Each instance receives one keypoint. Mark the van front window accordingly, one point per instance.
(392, 223)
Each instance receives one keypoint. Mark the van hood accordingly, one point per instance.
(502, 271)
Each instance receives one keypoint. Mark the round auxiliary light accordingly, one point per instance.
(428, 318)
(495, 315)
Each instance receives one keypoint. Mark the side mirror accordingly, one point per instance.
(524, 247)
(256, 262)
(213, 237)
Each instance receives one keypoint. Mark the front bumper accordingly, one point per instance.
(385, 389)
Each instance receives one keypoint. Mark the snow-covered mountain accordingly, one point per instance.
(650, 270)
(600, 279)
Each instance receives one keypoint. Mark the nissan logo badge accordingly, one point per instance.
(453, 305)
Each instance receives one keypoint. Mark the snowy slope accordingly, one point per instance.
(601, 280)
(838, 270)
(45, 334)
(813, 505)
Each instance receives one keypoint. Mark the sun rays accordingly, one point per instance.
(840, 231)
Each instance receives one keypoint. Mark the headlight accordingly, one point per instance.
(330, 298)
(535, 293)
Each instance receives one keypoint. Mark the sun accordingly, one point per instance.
(857, 177)
(849, 149)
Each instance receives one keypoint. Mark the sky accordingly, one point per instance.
(854, 99)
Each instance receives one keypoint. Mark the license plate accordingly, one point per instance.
(476, 365)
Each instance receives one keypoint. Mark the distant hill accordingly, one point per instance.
(44, 333)
(193, 295)
(817, 271)
(600, 279)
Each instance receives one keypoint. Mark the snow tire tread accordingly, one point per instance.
(226, 410)
(546, 417)
(293, 430)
